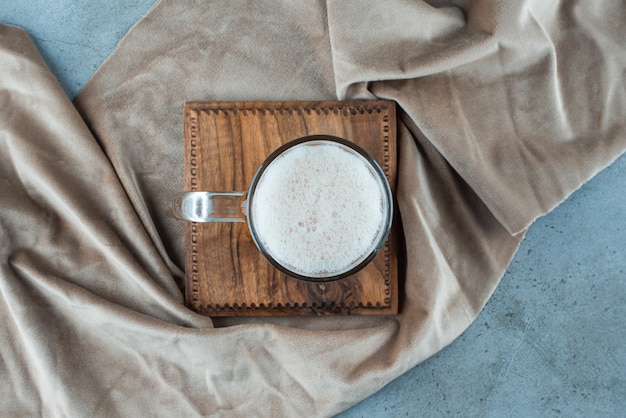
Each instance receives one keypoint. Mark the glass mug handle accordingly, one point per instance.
(209, 206)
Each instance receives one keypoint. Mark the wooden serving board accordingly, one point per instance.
(225, 142)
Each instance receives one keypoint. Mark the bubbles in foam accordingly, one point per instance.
(318, 209)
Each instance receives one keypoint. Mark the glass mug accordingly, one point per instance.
(319, 208)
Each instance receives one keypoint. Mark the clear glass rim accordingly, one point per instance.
(387, 201)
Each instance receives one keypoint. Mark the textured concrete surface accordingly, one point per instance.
(550, 342)
(74, 36)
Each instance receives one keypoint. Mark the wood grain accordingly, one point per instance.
(225, 142)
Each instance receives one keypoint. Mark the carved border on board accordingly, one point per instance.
(350, 109)
(192, 118)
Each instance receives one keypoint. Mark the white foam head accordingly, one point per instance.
(319, 209)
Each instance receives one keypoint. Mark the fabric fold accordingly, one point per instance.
(504, 104)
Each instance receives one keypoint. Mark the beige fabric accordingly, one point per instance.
(506, 108)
